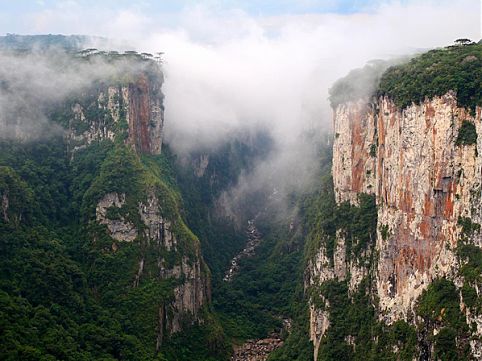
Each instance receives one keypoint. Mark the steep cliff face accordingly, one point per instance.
(354, 166)
(423, 183)
(132, 110)
(421, 162)
(341, 265)
(155, 232)
(145, 115)
(134, 205)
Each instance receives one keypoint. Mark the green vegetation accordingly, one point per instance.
(268, 287)
(252, 304)
(471, 258)
(469, 295)
(64, 292)
(385, 231)
(467, 134)
(434, 73)
(352, 317)
(355, 332)
(469, 228)
(297, 346)
(439, 307)
(221, 237)
(16, 197)
(324, 218)
(67, 288)
(440, 301)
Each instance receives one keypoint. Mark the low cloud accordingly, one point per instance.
(230, 71)
(31, 84)
(227, 72)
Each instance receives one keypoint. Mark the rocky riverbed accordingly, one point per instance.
(254, 239)
(257, 350)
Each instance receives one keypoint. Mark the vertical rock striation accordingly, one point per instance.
(145, 116)
(354, 166)
(133, 110)
(425, 182)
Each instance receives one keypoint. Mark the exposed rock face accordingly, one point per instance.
(134, 112)
(200, 165)
(191, 295)
(157, 228)
(119, 229)
(423, 182)
(319, 323)
(194, 290)
(145, 116)
(136, 107)
(353, 165)
(320, 269)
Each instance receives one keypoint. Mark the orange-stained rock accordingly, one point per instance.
(355, 167)
(139, 103)
(144, 116)
(423, 183)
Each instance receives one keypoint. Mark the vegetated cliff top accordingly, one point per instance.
(72, 50)
(128, 64)
(434, 73)
(92, 65)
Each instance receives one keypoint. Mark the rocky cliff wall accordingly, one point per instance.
(132, 110)
(426, 179)
(156, 232)
(423, 183)
(131, 114)
(354, 166)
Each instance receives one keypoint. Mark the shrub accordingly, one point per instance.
(467, 134)
(373, 150)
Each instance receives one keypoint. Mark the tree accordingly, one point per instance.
(463, 41)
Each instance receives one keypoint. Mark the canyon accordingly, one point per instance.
(117, 247)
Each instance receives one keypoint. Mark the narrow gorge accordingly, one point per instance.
(118, 242)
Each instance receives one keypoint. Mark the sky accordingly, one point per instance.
(16, 9)
(243, 65)
(101, 16)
